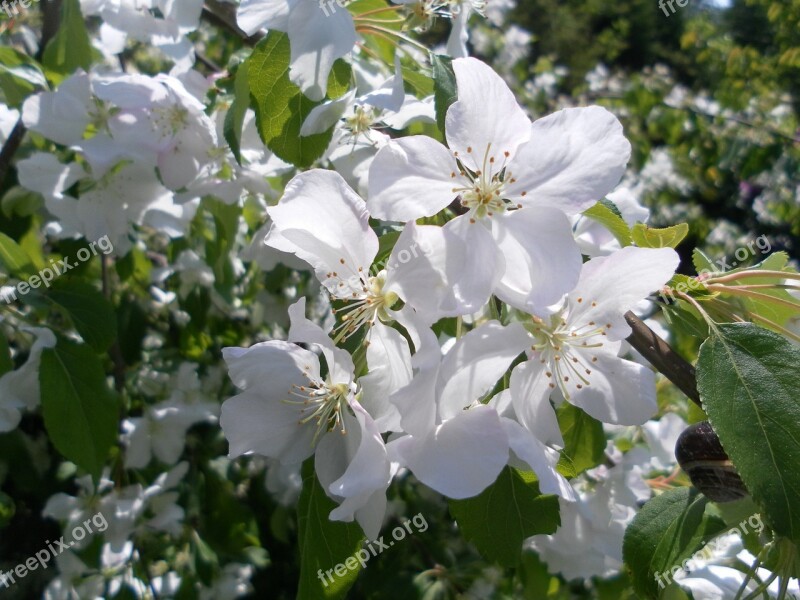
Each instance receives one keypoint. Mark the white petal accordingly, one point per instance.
(486, 120)
(574, 158)
(269, 366)
(483, 262)
(539, 458)
(616, 283)
(530, 393)
(266, 425)
(354, 469)
(61, 116)
(462, 457)
(44, 174)
(324, 222)
(412, 177)
(543, 262)
(459, 33)
(317, 40)
(620, 391)
(389, 361)
(326, 115)
(252, 15)
(417, 270)
(340, 364)
(474, 364)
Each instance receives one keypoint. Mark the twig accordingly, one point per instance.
(663, 357)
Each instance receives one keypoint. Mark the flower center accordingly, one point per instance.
(361, 121)
(483, 195)
(323, 404)
(373, 303)
(566, 349)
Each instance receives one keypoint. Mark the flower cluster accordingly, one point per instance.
(500, 255)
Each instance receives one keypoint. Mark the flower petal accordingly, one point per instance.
(486, 120)
(317, 39)
(539, 458)
(482, 260)
(412, 177)
(474, 364)
(340, 363)
(609, 286)
(573, 159)
(333, 235)
(462, 457)
(530, 394)
(620, 391)
(542, 260)
(389, 361)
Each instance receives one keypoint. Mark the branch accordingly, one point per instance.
(663, 357)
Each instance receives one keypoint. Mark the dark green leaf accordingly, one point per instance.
(91, 314)
(444, 86)
(234, 119)
(279, 104)
(71, 48)
(669, 529)
(501, 517)
(748, 380)
(584, 439)
(324, 544)
(20, 76)
(13, 257)
(80, 411)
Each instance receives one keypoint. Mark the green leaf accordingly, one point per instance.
(650, 237)
(13, 258)
(279, 104)
(324, 544)
(20, 76)
(445, 91)
(506, 513)
(91, 314)
(748, 381)
(71, 48)
(421, 84)
(609, 219)
(234, 118)
(669, 529)
(702, 263)
(80, 412)
(339, 79)
(584, 439)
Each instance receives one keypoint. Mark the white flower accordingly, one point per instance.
(457, 445)
(334, 236)
(589, 541)
(288, 411)
(575, 351)
(317, 37)
(514, 179)
(19, 389)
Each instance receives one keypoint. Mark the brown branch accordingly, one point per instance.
(663, 357)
